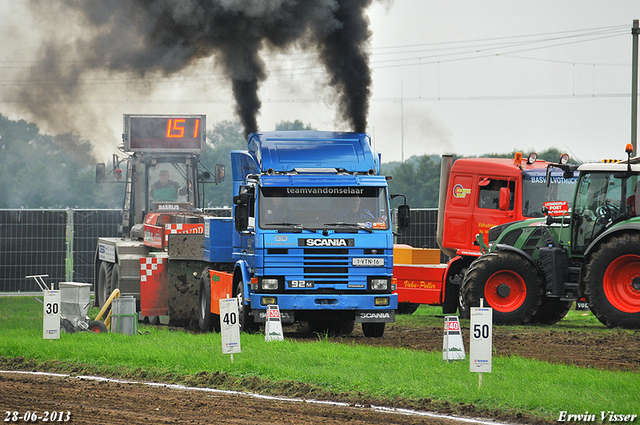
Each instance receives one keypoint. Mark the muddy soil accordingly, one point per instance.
(593, 347)
(83, 401)
(93, 402)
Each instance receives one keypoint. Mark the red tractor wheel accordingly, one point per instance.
(612, 281)
(505, 291)
(508, 282)
(621, 283)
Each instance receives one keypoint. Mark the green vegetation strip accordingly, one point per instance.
(321, 368)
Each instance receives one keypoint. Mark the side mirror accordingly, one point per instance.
(504, 199)
(242, 199)
(100, 172)
(219, 173)
(404, 217)
(241, 217)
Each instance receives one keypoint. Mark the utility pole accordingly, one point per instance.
(402, 120)
(634, 88)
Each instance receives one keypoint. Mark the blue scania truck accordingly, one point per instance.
(311, 232)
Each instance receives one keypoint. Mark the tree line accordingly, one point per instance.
(58, 171)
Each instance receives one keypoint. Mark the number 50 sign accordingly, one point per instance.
(480, 341)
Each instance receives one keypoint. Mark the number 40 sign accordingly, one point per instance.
(229, 326)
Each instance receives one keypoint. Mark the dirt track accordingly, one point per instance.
(116, 403)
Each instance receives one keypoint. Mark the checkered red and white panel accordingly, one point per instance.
(182, 228)
(149, 266)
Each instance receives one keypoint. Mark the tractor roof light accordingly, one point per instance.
(564, 159)
(629, 148)
(532, 158)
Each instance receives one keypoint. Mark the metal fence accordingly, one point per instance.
(62, 243)
(58, 243)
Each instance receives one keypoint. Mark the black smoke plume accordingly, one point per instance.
(140, 37)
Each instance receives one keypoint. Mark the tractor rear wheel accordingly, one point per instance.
(509, 283)
(104, 285)
(612, 282)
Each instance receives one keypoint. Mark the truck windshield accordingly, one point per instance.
(320, 207)
(535, 191)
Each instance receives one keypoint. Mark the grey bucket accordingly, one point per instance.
(124, 318)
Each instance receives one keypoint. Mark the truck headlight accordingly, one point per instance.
(378, 284)
(269, 284)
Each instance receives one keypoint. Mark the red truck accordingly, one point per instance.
(476, 194)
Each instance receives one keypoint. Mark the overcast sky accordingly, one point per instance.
(465, 77)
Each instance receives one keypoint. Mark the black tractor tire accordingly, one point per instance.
(103, 285)
(612, 282)
(551, 311)
(247, 324)
(407, 308)
(509, 283)
(207, 321)
(98, 327)
(373, 330)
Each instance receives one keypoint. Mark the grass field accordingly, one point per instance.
(516, 385)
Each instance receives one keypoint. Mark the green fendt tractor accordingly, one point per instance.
(533, 270)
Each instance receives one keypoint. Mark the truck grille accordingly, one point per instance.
(329, 263)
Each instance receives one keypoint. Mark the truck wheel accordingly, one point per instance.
(612, 281)
(206, 319)
(552, 311)
(247, 324)
(342, 327)
(373, 330)
(407, 308)
(103, 286)
(509, 283)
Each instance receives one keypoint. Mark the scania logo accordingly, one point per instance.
(374, 315)
(325, 242)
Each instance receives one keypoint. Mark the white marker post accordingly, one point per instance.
(51, 315)
(480, 345)
(229, 326)
(273, 324)
(452, 345)
(51, 308)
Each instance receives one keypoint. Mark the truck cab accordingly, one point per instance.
(313, 231)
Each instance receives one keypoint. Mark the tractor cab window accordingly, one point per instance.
(169, 183)
(601, 200)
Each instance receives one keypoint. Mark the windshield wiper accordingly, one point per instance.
(343, 224)
(294, 225)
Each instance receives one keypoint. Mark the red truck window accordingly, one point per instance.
(489, 196)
